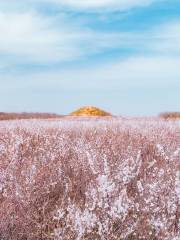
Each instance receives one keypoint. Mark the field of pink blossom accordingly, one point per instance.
(90, 179)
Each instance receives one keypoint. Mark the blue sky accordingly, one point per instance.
(119, 55)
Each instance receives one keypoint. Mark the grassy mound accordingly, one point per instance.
(90, 111)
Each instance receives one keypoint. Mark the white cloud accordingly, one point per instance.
(33, 38)
(139, 85)
(97, 6)
(103, 4)
(136, 72)
(167, 39)
(30, 37)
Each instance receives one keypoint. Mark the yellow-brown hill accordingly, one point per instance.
(90, 111)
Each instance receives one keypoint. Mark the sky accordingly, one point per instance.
(120, 55)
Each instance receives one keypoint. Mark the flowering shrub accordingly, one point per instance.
(90, 179)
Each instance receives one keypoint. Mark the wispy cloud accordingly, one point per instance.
(135, 85)
(31, 37)
(34, 38)
(132, 72)
(167, 39)
(52, 46)
(97, 5)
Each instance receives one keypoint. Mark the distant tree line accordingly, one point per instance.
(170, 115)
(25, 115)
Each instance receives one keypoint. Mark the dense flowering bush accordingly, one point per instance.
(90, 179)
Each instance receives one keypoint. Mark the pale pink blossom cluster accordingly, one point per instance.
(90, 179)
